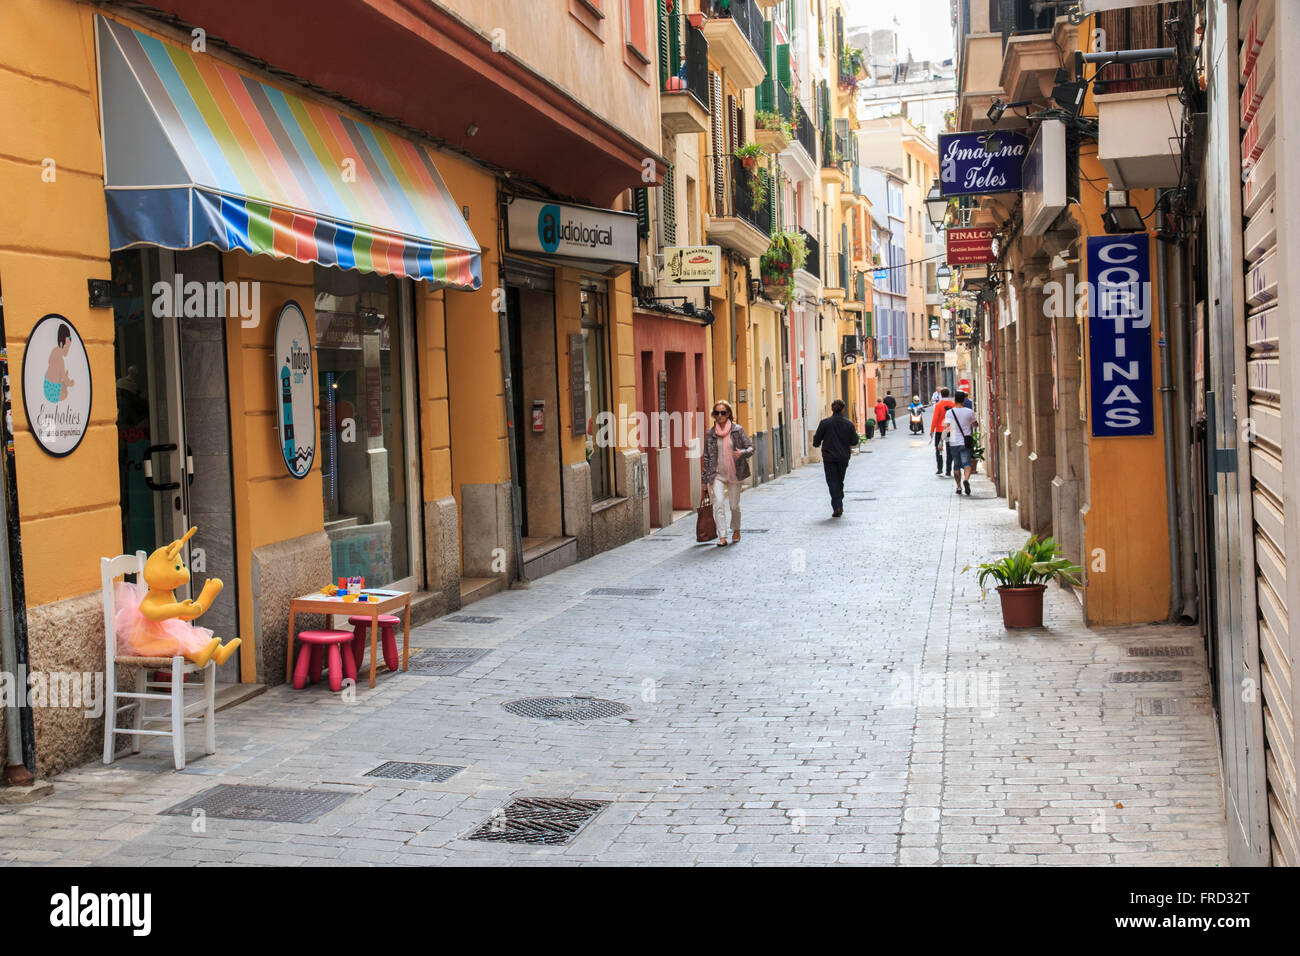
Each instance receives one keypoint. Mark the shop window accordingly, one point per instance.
(595, 342)
(363, 448)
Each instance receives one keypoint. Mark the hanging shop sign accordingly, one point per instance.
(56, 385)
(1044, 178)
(693, 266)
(295, 390)
(1119, 335)
(969, 247)
(571, 232)
(966, 168)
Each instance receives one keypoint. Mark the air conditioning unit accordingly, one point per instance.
(1097, 6)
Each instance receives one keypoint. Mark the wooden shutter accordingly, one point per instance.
(717, 144)
(665, 64)
(669, 196)
(734, 135)
(766, 94)
(641, 206)
(783, 66)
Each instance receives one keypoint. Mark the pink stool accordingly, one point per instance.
(361, 628)
(341, 663)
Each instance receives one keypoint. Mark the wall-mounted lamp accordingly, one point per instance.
(1119, 215)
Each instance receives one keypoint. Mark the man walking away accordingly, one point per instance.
(891, 403)
(882, 417)
(837, 438)
(960, 425)
(937, 428)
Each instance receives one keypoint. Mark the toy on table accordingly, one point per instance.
(150, 622)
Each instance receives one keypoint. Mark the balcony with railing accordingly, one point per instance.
(684, 77)
(740, 221)
(735, 34)
(804, 132)
(813, 264)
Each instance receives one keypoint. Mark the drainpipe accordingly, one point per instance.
(20, 734)
(1178, 276)
(15, 772)
(512, 427)
(1167, 407)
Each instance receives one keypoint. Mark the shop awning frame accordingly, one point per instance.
(198, 153)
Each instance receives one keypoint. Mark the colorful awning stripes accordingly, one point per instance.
(198, 153)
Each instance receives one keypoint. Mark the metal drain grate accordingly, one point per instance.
(421, 772)
(624, 592)
(472, 619)
(755, 530)
(1171, 706)
(539, 821)
(565, 708)
(229, 801)
(444, 661)
(1157, 651)
(1146, 677)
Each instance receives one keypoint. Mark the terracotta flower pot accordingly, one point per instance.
(695, 19)
(749, 162)
(1022, 607)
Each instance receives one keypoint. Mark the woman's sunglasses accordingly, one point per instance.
(716, 413)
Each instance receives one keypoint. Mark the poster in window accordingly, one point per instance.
(578, 383)
(295, 391)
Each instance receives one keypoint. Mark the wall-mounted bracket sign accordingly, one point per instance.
(966, 168)
(56, 385)
(582, 233)
(694, 266)
(969, 247)
(295, 390)
(1119, 335)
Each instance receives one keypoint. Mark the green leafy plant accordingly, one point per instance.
(787, 252)
(757, 176)
(1038, 562)
(977, 453)
(772, 120)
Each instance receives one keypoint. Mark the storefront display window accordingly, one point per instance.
(359, 348)
(595, 309)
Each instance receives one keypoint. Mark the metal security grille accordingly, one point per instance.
(269, 804)
(472, 619)
(1149, 651)
(420, 772)
(1146, 677)
(565, 708)
(539, 821)
(444, 661)
(624, 592)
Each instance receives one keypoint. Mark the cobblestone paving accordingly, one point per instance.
(828, 691)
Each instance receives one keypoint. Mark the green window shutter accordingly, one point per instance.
(867, 325)
(670, 205)
(665, 67)
(641, 205)
(766, 94)
(783, 65)
(774, 194)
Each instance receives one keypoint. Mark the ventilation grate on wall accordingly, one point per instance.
(1146, 677)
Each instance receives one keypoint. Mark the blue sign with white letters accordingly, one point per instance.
(966, 168)
(1119, 335)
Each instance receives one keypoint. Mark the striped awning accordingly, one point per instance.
(198, 153)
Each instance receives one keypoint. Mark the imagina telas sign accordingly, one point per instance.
(56, 385)
(295, 393)
(966, 168)
(1119, 335)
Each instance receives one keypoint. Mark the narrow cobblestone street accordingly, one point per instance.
(828, 691)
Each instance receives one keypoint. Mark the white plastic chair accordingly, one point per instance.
(175, 717)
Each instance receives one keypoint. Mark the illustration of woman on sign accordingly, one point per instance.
(57, 381)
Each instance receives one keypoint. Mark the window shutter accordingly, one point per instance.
(766, 94)
(773, 204)
(669, 196)
(783, 65)
(733, 117)
(665, 64)
(715, 122)
(641, 205)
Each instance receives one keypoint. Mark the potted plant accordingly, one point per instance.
(786, 253)
(1022, 577)
(749, 155)
(977, 453)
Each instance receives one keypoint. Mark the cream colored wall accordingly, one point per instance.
(590, 68)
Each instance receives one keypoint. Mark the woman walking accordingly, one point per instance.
(725, 464)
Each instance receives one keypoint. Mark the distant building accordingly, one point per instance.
(899, 85)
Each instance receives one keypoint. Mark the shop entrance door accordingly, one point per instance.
(173, 421)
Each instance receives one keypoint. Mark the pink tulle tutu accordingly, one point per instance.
(137, 636)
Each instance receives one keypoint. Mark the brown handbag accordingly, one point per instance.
(706, 529)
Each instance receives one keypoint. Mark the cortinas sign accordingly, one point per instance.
(1119, 335)
(294, 390)
(969, 247)
(966, 169)
(56, 385)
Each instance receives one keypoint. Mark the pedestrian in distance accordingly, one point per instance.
(959, 427)
(723, 466)
(882, 417)
(891, 403)
(937, 424)
(837, 438)
(936, 396)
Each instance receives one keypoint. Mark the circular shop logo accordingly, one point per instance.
(548, 228)
(56, 385)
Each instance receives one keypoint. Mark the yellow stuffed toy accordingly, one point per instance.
(150, 622)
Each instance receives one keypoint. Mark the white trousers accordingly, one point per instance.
(726, 500)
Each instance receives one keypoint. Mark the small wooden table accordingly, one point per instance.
(385, 603)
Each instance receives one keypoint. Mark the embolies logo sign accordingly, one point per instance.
(56, 385)
(967, 169)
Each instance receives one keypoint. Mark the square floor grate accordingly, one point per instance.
(1146, 677)
(539, 821)
(755, 530)
(624, 592)
(472, 619)
(230, 801)
(1171, 706)
(444, 661)
(419, 772)
(1149, 650)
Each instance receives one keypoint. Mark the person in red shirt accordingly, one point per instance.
(882, 417)
(936, 430)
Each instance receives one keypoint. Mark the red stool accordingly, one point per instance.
(341, 663)
(361, 628)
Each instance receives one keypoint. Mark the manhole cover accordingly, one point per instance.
(1146, 677)
(229, 801)
(444, 661)
(624, 592)
(1155, 651)
(536, 821)
(472, 619)
(422, 772)
(565, 708)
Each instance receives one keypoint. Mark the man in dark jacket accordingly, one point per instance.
(837, 438)
(891, 403)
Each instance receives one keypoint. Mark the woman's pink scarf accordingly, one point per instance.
(726, 460)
